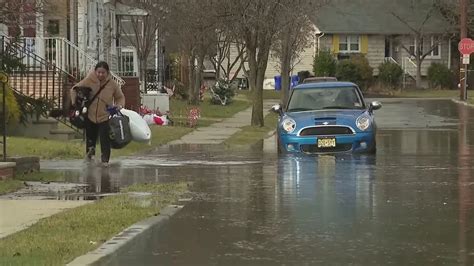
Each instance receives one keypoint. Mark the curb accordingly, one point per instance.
(125, 239)
(463, 103)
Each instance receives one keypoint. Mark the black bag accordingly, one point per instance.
(119, 131)
(78, 114)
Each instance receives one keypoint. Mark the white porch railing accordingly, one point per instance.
(390, 60)
(409, 68)
(65, 55)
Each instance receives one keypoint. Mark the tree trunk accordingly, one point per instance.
(194, 97)
(257, 108)
(285, 77)
(258, 69)
(191, 78)
(418, 73)
(142, 75)
(185, 69)
(252, 76)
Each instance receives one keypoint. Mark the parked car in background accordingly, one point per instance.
(327, 117)
(318, 79)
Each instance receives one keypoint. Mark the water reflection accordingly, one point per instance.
(327, 189)
(466, 190)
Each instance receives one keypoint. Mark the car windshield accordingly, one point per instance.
(324, 98)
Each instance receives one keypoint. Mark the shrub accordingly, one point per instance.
(302, 75)
(356, 69)
(324, 64)
(12, 107)
(222, 92)
(390, 74)
(180, 92)
(439, 76)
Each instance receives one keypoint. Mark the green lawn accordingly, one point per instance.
(54, 149)
(60, 238)
(267, 94)
(9, 186)
(208, 110)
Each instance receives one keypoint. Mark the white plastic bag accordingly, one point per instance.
(140, 130)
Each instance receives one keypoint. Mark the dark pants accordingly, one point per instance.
(93, 131)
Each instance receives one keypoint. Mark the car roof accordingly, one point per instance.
(319, 79)
(330, 84)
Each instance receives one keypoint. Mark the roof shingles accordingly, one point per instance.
(380, 17)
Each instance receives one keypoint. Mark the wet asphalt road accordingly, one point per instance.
(410, 204)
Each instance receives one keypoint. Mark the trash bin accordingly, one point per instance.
(294, 81)
(277, 83)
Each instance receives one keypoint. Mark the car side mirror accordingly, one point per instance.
(375, 106)
(277, 109)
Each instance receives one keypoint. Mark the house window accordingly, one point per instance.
(349, 43)
(53, 27)
(436, 43)
(427, 45)
(413, 46)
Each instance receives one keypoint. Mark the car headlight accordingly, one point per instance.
(288, 125)
(363, 122)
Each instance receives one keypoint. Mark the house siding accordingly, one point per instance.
(304, 62)
(375, 55)
(444, 56)
(376, 52)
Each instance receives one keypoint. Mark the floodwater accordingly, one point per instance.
(410, 204)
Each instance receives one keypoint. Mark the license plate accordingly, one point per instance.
(326, 142)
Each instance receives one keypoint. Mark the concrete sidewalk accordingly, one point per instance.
(16, 215)
(219, 132)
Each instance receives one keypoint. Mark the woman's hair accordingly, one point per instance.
(103, 65)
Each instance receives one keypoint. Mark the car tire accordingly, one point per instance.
(372, 149)
(279, 149)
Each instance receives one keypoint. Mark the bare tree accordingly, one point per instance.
(229, 58)
(194, 22)
(16, 14)
(257, 23)
(294, 37)
(419, 35)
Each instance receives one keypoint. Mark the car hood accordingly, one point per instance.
(326, 117)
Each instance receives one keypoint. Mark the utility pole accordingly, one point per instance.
(463, 67)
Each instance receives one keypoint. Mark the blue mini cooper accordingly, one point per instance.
(326, 117)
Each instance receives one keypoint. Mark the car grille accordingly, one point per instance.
(325, 131)
(311, 148)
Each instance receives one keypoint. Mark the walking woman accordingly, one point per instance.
(109, 98)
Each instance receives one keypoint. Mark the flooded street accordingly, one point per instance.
(410, 204)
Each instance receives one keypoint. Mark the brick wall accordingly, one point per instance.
(131, 90)
(7, 170)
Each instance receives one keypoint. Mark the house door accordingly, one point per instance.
(388, 47)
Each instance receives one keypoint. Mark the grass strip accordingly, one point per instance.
(10, 185)
(56, 149)
(59, 239)
(250, 135)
